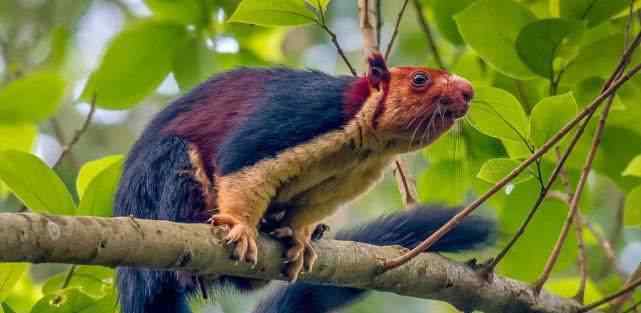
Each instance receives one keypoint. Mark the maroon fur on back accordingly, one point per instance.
(230, 99)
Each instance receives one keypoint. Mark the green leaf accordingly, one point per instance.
(593, 11)
(634, 167)
(7, 308)
(499, 114)
(182, 11)
(444, 12)
(491, 28)
(124, 78)
(539, 43)
(99, 183)
(587, 90)
(10, 273)
(17, 137)
(632, 213)
(34, 183)
(540, 236)
(91, 169)
(193, 63)
(95, 281)
(74, 301)
(596, 59)
(496, 169)
(276, 12)
(618, 148)
(550, 115)
(33, 98)
(567, 287)
(444, 182)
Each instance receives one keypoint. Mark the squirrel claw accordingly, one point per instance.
(241, 235)
(300, 259)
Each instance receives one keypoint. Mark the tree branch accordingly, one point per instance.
(199, 248)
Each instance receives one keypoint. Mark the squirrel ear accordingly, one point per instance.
(377, 73)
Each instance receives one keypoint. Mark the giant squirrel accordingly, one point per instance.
(251, 144)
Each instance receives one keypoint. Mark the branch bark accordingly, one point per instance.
(26, 237)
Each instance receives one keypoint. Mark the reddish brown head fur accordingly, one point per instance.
(417, 101)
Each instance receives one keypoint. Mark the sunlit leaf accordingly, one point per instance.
(91, 169)
(496, 169)
(10, 273)
(632, 213)
(277, 12)
(34, 183)
(95, 281)
(17, 137)
(499, 114)
(539, 42)
(97, 184)
(135, 63)
(567, 287)
(74, 301)
(33, 98)
(491, 28)
(550, 115)
(634, 168)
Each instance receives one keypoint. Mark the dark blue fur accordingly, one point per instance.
(156, 185)
(405, 228)
(299, 106)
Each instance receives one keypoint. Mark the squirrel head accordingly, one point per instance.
(418, 103)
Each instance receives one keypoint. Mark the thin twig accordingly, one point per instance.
(633, 308)
(68, 276)
(618, 303)
(68, 146)
(389, 264)
(390, 45)
(605, 244)
(581, 258)
(406, 186)
(429, 35)
(611, 297)
(404, 180)
(576, 197)
(322, 22)
(542, 195)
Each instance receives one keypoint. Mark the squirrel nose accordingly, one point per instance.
(462, 88)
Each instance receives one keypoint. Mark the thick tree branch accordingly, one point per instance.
(199, 248)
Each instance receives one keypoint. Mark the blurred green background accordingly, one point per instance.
(534, 64)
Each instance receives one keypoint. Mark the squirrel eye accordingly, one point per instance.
(420, 79)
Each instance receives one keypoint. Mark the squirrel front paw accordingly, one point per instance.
(240, 234)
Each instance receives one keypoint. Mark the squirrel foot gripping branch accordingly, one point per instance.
(251, 144)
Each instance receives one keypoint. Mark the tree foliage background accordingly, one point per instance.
(534, 64)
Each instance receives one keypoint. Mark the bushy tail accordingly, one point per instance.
(406, 228)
